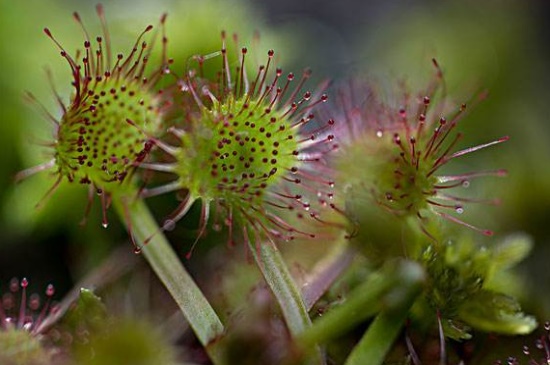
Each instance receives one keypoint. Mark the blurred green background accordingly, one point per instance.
(501, 46)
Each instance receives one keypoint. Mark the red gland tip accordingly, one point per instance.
(50, 290)
(502, 172)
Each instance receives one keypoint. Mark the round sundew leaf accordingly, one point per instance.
(105, 127)
(19, 347)
(96, 142)
(234, 156)
(252, 150)
(394, 153)
(126, 341)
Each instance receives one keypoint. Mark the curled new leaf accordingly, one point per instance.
(496, 312)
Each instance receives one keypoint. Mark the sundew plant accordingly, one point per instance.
(226, 204)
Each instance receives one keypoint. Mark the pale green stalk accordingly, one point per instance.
(288, 295)
(381, 290)
(171, 272)
(375, 344)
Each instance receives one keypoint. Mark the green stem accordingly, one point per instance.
(379, 338)
(381, 290)
(169, 269)
(288, 295)
(383, 331)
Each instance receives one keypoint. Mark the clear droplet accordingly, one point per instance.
(379, 133)
(459, 209)
(169, 225)
(466, 184)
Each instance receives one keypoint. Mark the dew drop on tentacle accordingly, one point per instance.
(23, 306)
(169, 225)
